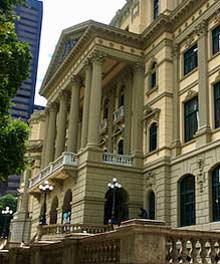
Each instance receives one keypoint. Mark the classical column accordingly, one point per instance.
(176, 145)
(87, 91)
(203, 124)
(128, 110)
(95, 100)
(43, 155)
(111, 108)
(50, 146)
(74, 115)
(137, 111)
(61, 124)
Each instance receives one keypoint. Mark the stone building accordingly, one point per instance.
(138, 100)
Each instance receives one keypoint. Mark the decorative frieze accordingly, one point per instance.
(217, 17)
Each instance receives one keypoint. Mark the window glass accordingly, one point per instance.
(190, 59)
(217, 104)
(216, 40)
(216, 194)
(191, 114)
(153, 137)
(155, 9)
(153, 76)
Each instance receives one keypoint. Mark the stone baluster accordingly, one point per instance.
(87, 92)
(50, 149)
(204, 132)
(61, 125)
(95, 100)
(74, 115)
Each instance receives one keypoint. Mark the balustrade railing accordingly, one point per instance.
(73, 228)
(192, 247)
(118, 115)
(117, 159)
(67, 158)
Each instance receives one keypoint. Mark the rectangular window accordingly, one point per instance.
(190, 59)
(217, 104)
(156, 8)
(191, 111)
(216, 40)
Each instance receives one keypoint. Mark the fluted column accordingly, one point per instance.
(74, 115)
(203, 124)
(176, 146)
(95, 100)
(43, 155)
(87, 91)
(137, 111)
(50, 149)
(61, 126)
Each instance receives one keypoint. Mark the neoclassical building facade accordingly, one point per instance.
(137, 100)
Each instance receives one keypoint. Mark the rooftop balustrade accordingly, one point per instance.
(116, 159)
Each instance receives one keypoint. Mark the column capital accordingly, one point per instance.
(138, 66)
(75, 80)
(53, 106)
(87, 63)
(63, 94)
(201, 29)
(175, 50)
(98, 57)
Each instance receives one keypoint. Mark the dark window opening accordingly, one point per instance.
(153, 137)
(216, 40)
(190, 59)
(217, 104)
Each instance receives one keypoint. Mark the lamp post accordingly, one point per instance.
(114, 185)
(6, 213)
(45, 188)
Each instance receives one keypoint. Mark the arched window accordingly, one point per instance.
(155, 8)
(216, 194)
(121, 97)
(53, 211)
(152, 205)
(187, 201)
(121, 147)
(117, 201)
(105, 110)
(153, 137)
(66, 217)
(153, 75)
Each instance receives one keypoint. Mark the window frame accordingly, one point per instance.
(215, 185)
(217, 39)
(153, 140)
(190, 59)
(216, 104)
(155, 9)
(188, 135)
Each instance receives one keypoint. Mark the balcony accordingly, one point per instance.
(63, 165)
(115, 159)
(103, 126)
(118, 115)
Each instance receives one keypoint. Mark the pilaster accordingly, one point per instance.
(74, 115)
(43, 155)
(204, 133)
(111, 108)
(176, 145)
(61, 126)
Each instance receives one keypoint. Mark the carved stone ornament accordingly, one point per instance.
(190, 95)
(175, 50)
(217, 17)
(98, 57)
(201, 174)
(75, 80)
(189, 41)
(202, 28)
(149, 180)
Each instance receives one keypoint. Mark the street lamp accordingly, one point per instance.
(6, 213)
(45, 188)
(114, 185)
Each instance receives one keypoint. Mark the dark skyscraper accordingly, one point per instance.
(28, 29)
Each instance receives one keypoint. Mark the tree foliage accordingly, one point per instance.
(15, 59)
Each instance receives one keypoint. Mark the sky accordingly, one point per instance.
(58, 15)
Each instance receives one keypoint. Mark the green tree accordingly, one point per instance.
(10, 201)
(15, 60)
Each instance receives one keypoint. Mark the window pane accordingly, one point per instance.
(156, 8)
(216, 40)
(153, 137)
(217, 104)
(191, 118)
(216, 194)
(190, 59)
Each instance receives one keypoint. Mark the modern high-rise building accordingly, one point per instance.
(28, 29)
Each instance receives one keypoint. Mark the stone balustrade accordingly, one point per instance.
(111, 158)
(60, 229)
(118, 115)
(67, 158)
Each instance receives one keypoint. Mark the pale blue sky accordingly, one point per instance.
(59, 15)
